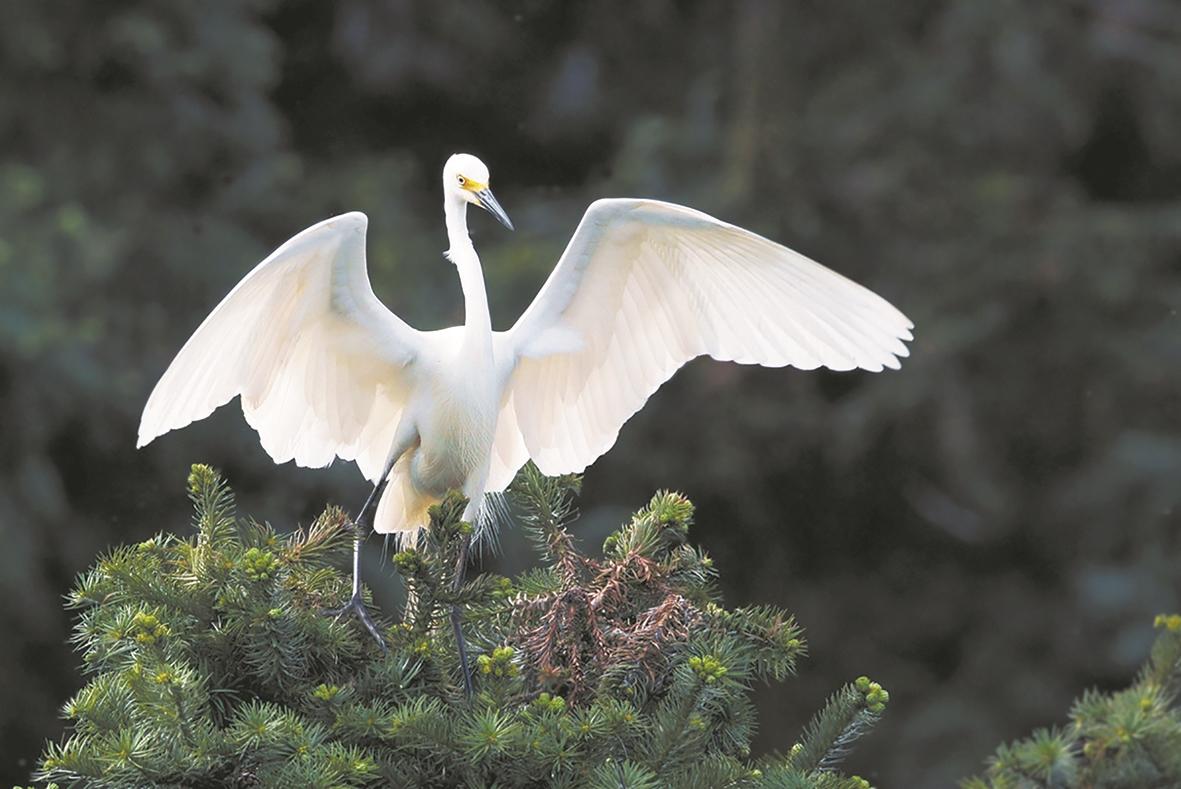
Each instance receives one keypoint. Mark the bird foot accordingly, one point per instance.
(357, 607)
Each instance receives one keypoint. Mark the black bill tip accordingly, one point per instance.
(490, 204)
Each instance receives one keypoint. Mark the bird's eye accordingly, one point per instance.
(461, 180)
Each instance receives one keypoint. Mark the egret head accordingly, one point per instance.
(466, 178)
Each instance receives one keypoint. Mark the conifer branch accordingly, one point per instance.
(209, 665)
(847, 715)
(1129, 738)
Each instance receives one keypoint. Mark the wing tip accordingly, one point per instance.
(143, 438)
(892, 360)
(144, 435)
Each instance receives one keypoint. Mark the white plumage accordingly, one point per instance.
(324, 370)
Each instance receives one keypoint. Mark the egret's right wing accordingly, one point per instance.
(322, 366)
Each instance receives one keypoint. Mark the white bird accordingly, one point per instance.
(325, 370)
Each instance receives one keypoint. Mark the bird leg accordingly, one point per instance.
(457, 615)
(356, 603)
(404, 438)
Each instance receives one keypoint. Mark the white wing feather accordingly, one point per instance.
(645, 286)
(320, 363)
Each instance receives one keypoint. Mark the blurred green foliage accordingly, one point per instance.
(983, 530)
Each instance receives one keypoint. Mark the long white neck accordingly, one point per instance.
(477, 321)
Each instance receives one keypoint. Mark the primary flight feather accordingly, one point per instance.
(325, 370)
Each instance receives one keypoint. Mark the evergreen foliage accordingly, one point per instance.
(1125, 740)
(211, 665)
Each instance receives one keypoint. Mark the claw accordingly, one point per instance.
(357, 607)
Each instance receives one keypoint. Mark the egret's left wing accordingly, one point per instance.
(645, 286)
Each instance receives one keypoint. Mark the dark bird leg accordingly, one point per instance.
(457, 616)
(356, 604)
(405, 437)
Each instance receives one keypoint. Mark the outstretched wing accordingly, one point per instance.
(322, 366)
(645, 286)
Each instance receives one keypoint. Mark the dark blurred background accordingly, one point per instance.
(988, 531)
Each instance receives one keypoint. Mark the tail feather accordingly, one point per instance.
(403, 510)
(494, 514)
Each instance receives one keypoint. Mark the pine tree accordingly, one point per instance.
(1125, 740)
(210, 664)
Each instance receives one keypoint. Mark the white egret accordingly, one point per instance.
(325, 370)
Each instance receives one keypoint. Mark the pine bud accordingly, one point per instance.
(876, 697)
(546, 702)
(409, 562)
(259, 565)
(201, 476)
(499, 663)
(502, 589)
(1170, 622)
(326, 692)
(708, 668)
(146, 629)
